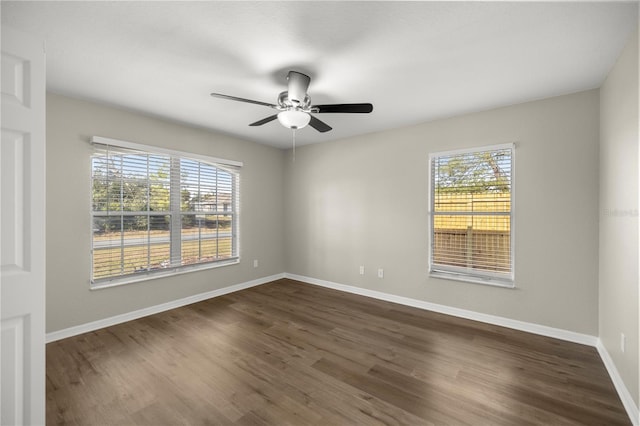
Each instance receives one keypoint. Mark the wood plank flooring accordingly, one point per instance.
(291, 353)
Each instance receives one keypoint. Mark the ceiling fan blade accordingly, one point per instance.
(298, 85)
(320, 126)
(343, 108)
(264, 120)
(235, 98)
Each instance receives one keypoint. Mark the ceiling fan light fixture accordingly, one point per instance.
(294, 119)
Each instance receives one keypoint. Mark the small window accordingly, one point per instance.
(471, 215)
(156, 213)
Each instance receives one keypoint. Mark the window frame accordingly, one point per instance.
(230, 166)
(470, 275)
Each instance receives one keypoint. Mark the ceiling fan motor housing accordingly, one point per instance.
(286, 103)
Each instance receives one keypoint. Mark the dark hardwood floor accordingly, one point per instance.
(293, 353)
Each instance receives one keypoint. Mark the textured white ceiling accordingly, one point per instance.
(415, 61)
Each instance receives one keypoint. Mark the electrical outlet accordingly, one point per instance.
(623, 341)
(380, 273)
(255, 263)
(361, 270)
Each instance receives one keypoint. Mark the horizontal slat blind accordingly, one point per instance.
(471, 213)
(207, 206)
(159, 212)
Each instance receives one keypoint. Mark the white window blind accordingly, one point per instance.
(471, 215)
(159, 213)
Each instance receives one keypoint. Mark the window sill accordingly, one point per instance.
(490, 281)
(169, 272)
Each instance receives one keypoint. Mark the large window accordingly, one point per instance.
(471, 215)
(159, 212)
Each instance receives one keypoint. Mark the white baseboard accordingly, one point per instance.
(118, 319)
(543, 330)
(623, 392)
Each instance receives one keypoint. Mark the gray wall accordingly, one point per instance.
(70, 124)
(363, 201)
(619, 215)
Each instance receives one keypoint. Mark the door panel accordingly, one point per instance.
(22, 230)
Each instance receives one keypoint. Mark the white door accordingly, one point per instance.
(22, 232)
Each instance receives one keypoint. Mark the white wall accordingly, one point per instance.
(363, 201)
(619, 174)
(70, 124)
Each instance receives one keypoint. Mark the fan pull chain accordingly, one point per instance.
(294, 144)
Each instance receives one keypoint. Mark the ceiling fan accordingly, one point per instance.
(295, 106)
